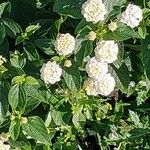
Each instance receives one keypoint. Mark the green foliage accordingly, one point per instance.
(35, 115)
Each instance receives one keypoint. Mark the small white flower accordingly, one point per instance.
(112, 26)
(93, 10)
(68, 63)
(132, 84)
(106, 51)
(51, 72)
(2, 60)
(113, 136)
(132, 16)
(65, 44)
(89, 87)
(96, 69)
(105, 85)
(91, 36)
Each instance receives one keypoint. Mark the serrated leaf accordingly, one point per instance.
(17, 97)
(13, 26)
(31, 52)
(5, 9)
(72, 78)
(46, 45)
(36, 129)
(61, 115)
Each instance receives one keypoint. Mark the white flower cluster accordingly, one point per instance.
(132, 16)
(65, 44)
(100, 81)
(96, 69)
(94, 11)
(89, 87)
(2, 60)
(3, 146)
(51, 72)
(106, 51)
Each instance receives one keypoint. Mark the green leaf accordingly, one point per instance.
(78, 118)
(72, 78)
(85, 50)
(122, 77)
(2, 32)
(61, 115)
(135, 119)
(110, 4)
(46, 45)
(4, 105)
(36, 129)
(71, 8)
(18, 79)
(17, 60)
(31, 52)
(4, 46)
(19, 40)
(14, 128)
(122, 33)
(31, 81)
(13, 26)
(142, 30)
(34, 93)
(145, 54)
(5, 9)
(23, 11)
(17, 97)
(48, 119)
(31, 29)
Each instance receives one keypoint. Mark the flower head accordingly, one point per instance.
(89, 87)
(106, 51)
(51, 72)
(132, 16)
(93, 10)
(65, 44)
(105, 85)
(96, 69)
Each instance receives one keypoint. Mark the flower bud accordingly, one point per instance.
(91, 36)
(112, 26)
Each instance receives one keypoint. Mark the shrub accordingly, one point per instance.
(74, 74)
